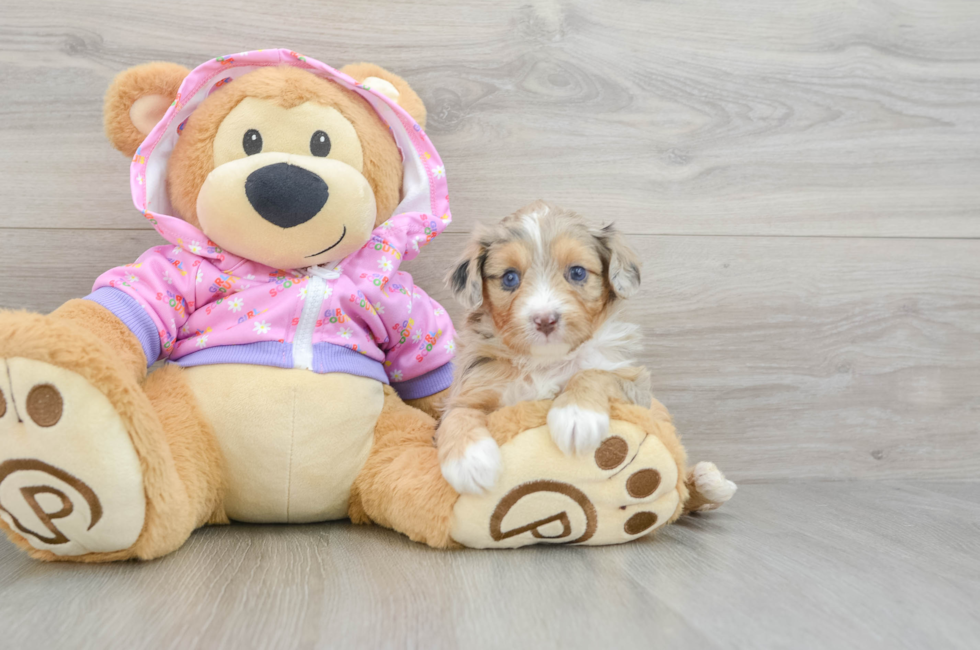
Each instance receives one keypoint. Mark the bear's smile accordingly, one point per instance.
(344, 234)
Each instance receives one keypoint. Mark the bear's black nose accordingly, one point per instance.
(286, 195)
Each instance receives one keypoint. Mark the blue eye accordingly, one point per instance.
(577, 274)
(510, 280)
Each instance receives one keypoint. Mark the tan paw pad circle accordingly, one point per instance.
(640, 522)
(611, 453)
(643, 483)
(45, 405)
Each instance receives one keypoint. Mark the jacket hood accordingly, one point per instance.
(424, 188)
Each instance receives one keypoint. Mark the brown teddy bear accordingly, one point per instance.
(289, 193)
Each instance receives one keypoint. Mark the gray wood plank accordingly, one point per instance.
(809, 357)
(787, 118)
(779, 357)
(950, 489)
(802, 565)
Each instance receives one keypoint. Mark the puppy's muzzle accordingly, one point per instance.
(546, 322)
(286, 195)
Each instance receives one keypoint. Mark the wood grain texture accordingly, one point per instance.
(808, 357)
(826, 355)
(759, 117)
(801, 180)
(779, 357)
(800, 565)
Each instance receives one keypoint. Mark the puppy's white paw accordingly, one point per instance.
(577, 430)
(712, 484)
(476, 471)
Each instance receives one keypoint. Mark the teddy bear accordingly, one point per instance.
(303, 367)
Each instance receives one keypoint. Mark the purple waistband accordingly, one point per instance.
(327, 357)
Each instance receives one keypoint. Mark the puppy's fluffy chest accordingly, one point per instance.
(545, 376)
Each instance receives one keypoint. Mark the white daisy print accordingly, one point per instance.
(415, 244)
(379, 308)
(132, 279)
(439, 171)
(451, 346)
(249, 277)
(385, 264)
(387, 224)
(167, 278)
(262, 327)
(396, 376)
(200, 276)
(302, 293)
(195, 247)
(346, 332)
(417, 336)
(235, 304)
(177, 250)
(202, 341)
(438, 312)
(327, 291)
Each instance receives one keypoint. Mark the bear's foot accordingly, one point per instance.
(627, 488)
(70, 478)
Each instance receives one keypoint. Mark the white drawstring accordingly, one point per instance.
(322, 271)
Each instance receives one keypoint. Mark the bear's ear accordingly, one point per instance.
(137, 99)
(388, 84)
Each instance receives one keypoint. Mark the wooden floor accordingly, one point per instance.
(802, 180)
(859, 564)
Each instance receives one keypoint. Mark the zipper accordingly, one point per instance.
(315, 295)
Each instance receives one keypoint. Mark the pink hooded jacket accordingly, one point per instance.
(196, 304)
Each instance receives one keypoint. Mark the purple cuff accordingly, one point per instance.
(424, 385)
(131, 313)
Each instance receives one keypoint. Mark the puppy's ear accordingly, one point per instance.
(622, 264)
(391, 86)
(466, 280)
(137, 99)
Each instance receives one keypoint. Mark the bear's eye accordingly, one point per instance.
(252, 142)
(320, 144)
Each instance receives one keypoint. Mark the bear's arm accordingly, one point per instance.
(106, 327)
(431, 404)
(420, 361)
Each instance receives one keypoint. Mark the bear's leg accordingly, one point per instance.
(634, 483)
(401, 485)
(95, 464)
(195, 451)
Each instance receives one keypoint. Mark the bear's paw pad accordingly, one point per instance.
(70, 479)
(625, 489)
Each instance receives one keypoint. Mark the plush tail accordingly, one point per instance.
(708, 488)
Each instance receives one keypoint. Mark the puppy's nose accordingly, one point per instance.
(546, 322)
(286, 195)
